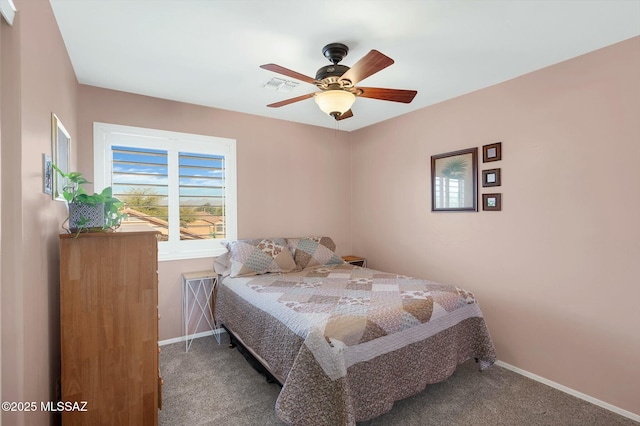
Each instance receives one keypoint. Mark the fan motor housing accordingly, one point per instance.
(331, 71)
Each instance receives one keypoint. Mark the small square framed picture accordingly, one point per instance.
(492, 202)
(491, 177)
(492, 152)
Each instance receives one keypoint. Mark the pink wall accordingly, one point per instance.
(11, 320)
(288, 174)
(37, 79)
(556, 271)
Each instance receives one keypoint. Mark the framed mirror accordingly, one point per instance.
(61, 149)
(454, 181)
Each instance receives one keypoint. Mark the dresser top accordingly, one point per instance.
(128, 229)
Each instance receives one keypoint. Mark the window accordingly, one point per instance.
(181, 184)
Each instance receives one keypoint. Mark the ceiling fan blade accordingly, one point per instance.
(370, 64)
(289, 73)
(395, 95)
(347, 114)
(290, 101)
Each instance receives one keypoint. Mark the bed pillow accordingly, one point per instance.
(221, 264)
(260, 256)
(313, 251)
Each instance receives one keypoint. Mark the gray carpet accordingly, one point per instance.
(214, 385)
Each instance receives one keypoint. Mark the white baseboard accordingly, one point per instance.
(605, 405)
(195, 336)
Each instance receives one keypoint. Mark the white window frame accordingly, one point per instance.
(106, 135)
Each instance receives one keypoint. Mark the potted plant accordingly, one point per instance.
(89, 212)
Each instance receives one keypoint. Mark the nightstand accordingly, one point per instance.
(355, 260)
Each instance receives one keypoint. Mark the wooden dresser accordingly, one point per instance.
(109, 327)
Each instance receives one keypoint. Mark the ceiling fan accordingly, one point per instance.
(337, 83)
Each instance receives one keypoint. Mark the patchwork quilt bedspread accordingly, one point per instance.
(347, 342)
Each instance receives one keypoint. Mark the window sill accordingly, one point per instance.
(186, 255)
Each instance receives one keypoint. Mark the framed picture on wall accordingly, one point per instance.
(454, 181)
(47, 175)
(61, 144)
(492, 152)
(491, 177)
(492, 202)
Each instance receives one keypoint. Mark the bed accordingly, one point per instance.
(344, 341)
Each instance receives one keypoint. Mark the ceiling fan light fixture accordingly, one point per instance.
(335, 102)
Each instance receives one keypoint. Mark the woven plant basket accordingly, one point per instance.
(84, 217)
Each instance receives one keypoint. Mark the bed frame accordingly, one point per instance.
(252, 358)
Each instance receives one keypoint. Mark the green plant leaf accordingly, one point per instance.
(107, 192)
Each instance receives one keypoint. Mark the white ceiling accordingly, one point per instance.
(208, 52)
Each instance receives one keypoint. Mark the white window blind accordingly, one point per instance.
(139, 178)
(202, 195)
